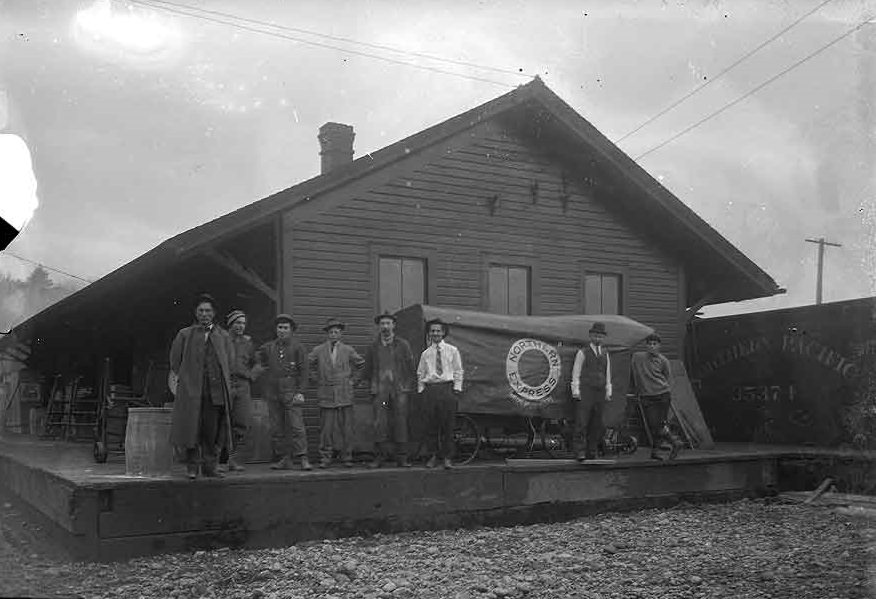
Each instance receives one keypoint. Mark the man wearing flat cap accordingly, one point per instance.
(651, 378)
(284, 360)
(333, 365)
(591, 388)
(389, 369)
(200, 358)
(439, 379)
(244, 370)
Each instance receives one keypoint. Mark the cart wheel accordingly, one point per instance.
(100, 453)
(466, 438)
(629, 444)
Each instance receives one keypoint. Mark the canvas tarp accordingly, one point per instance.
(523, 364)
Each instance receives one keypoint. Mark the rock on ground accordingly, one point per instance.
(744, 549)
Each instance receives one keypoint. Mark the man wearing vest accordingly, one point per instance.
(591, 388)
(284, 359)
(389, 366)
(439, 379)
(200, 358)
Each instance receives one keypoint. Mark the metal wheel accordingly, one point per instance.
(554, 438)
(466, 439)
(100, 452)
(628, 444)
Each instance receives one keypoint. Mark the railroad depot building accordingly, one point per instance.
(518, 206)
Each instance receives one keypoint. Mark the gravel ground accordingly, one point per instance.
(739, 550)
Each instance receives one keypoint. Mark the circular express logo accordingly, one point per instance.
(523, 390)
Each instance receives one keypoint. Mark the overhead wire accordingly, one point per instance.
(149, 4)
(347, 40)
(739, 61)
(41, 265)
(755, 89)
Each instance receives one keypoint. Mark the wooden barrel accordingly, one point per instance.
(258, 437)
(148, 451)
(37, 420)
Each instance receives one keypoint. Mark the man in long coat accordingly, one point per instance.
(389, 367)
(333, 365)
(200, 358)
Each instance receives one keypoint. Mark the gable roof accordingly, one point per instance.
(745, 279)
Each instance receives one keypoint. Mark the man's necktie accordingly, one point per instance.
(439, 367)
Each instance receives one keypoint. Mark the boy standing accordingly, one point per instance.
(652, 381)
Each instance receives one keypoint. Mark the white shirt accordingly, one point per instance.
(579, 363)
(451, 367)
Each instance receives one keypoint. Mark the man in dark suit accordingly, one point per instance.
(284, 359)
(389, 368)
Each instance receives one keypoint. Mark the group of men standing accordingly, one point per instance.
(215, 370)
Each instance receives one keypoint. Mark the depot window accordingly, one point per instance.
(401, 282)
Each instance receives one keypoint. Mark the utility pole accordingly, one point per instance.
(821, 243)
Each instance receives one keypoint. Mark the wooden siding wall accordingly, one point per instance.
(441, 210)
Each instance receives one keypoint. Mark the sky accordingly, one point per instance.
(141, 122)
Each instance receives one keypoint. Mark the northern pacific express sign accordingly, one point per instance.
(539, 391)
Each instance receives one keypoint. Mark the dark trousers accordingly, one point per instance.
(391, 420)
(241, 406)
(588, 421)
(211, 432)
(440, 402)
(288, 435)
(656, 408)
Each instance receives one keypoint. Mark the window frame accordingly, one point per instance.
(404, 252)
(511, 261)
(594, 268)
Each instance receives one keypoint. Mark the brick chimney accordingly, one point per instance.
(336, 146)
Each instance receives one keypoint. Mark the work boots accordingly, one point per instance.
(284, 464)
(233, 464)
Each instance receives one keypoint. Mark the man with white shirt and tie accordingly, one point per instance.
(591, 388)
(439, 379)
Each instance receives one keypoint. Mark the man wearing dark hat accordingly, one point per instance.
(200, 358)
(439, 379)
(591, 388)
(284, 360)
(244, 370)
(389, 368)
(333, 365)
(652, 381)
